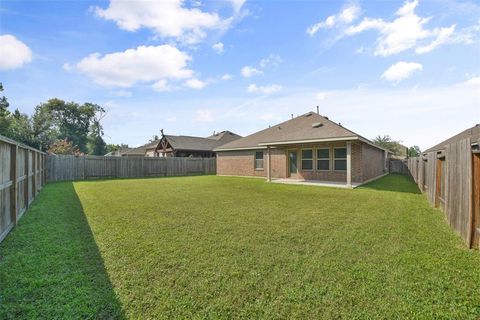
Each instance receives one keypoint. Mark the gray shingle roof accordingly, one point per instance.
(310, 126)
(188, 143)
(473, 133)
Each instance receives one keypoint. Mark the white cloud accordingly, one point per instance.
(204, 115)
(253, 88)
(13, 53)
(218, 47)
(237, 4)
(346, 16)
(408, 31)
(195, 83)
(272, 60)
(143, 64)
(227, 76)
(475, 81)
(401, 71)
(162, 85)
(172, 119)
(167, 18)
(249, 72)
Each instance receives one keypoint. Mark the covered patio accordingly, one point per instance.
(317, 183)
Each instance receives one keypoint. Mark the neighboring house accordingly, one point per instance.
(184, 146)
(308, 147)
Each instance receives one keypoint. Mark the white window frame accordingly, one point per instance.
(329, 159)
(262, 161)
(334, 159)
(311, 159)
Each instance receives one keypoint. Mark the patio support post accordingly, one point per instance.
(269, 164)
(349, 164)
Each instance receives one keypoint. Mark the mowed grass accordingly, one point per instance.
(221, 247)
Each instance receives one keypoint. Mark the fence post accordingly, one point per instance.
(34, 178)
(13, 178)
(26, 184)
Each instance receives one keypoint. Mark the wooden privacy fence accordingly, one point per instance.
(64, 168)
(447, 177)
(397, 166)
(22, 175)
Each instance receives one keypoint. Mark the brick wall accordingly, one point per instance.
(367, 163)
(239, 163)
(373, 162)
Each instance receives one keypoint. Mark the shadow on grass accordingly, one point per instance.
(50, 266)
(393, 182)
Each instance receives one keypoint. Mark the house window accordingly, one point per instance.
(323, 159)
(340, 159)
(307, 159)
(259, 160)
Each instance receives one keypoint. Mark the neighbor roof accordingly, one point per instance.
(309, 127)
(473, 133)
(188, 143)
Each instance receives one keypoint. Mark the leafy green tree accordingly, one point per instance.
(20, 128)
(67, 120)
(387, 142)
(96, 144)
(116, 147)
(4, 114)
(414, 151)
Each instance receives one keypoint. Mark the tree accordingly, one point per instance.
(67, 120)
(4, 114)
(63, 146)
(388, 143)
(20, 128)
(414, 151)
(96, 144)
(116, 147)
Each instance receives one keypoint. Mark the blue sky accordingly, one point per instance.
(409, 69)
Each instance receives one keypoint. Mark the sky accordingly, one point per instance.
(409, 69)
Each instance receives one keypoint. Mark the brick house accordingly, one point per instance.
(306, 148)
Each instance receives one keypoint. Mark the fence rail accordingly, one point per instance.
(64, 168)
(22, 175)
(446, 178)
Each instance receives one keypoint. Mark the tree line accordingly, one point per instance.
(57, 126)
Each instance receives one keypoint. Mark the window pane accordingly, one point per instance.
(259, 155)
(341, 153)
(340, 164)
(323, 153)
(307, 164)
(259, 164)
(307, 154)
(323, 165)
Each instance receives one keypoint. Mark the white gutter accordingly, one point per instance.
(243, 148)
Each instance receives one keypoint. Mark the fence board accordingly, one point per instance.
(19, 181)
(457, 177)
(67, 168)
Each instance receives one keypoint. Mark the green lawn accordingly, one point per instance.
(221, 247)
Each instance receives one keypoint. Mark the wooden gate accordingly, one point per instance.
(476, 199)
